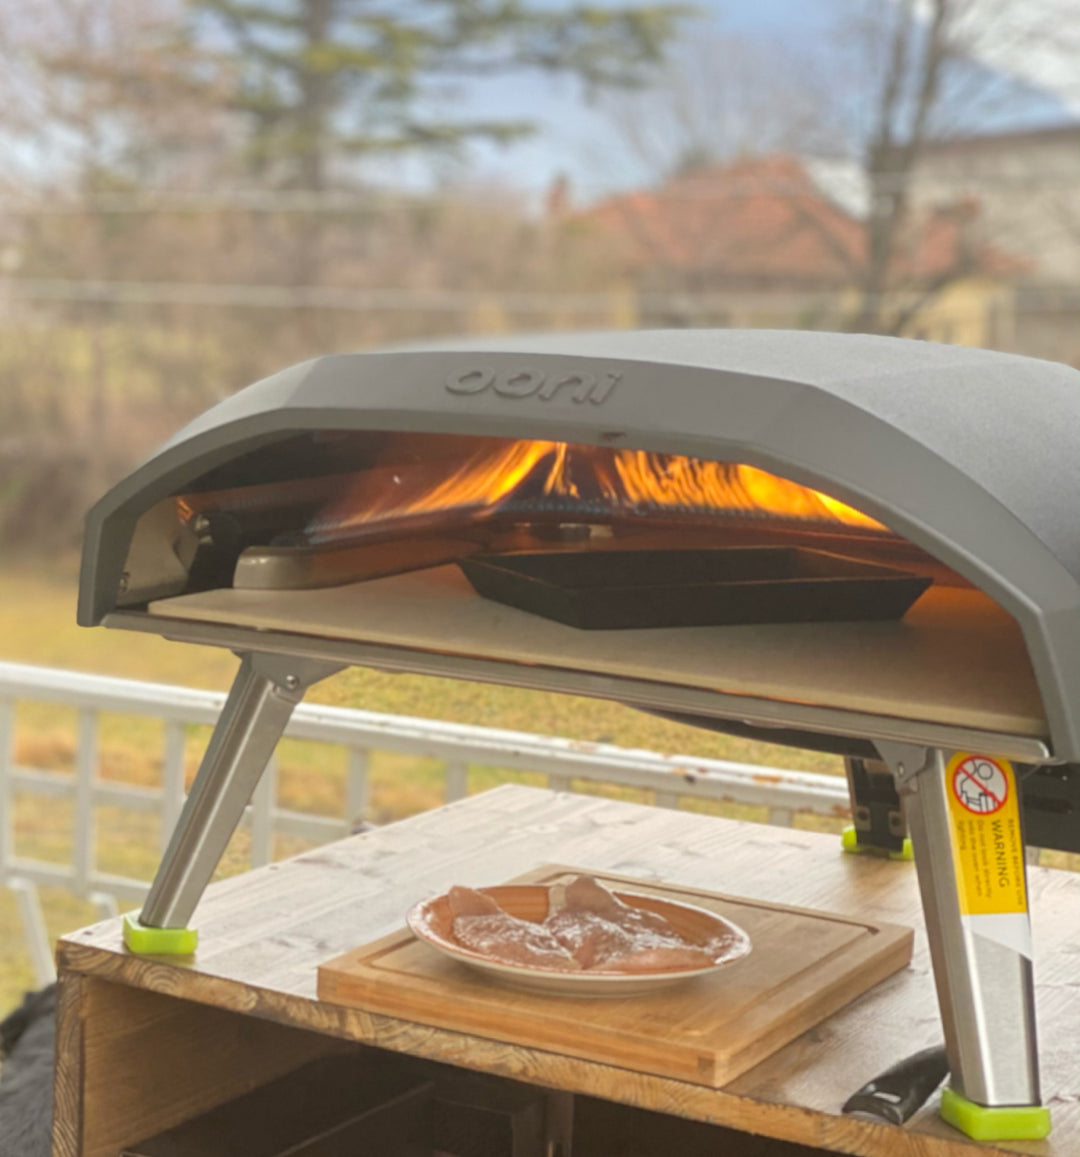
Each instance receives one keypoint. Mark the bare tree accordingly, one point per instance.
(906, 50)
(912, 73)
(133, 267)
(98, 99)
(719, 96)
(99, 95)
(893, 79)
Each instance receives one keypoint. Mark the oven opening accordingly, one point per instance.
(330, 508)
(750, 584)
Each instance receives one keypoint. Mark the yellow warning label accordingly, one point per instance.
(988, 848)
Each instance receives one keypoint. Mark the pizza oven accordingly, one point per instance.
(861, 544)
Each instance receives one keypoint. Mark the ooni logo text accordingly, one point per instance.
(576, 385)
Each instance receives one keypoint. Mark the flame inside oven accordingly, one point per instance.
(531, 479)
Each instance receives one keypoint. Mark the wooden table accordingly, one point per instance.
(145, 1043)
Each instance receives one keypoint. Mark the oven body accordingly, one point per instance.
(969, 457)
(972, 456)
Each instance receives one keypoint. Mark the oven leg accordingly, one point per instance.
(878, 826)
(262, 698)
(964, 815)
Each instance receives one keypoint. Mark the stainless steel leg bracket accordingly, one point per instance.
(266, 689)
(963, 813)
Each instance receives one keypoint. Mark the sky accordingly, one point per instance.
(584, 143)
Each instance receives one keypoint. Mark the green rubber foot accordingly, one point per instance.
(158, 941)
(997, 1122)
(849, 841)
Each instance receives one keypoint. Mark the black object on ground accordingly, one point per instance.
(901, 1090)
(27, 1045)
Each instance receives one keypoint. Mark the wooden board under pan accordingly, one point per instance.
(804, 966)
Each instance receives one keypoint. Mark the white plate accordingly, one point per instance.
(431, 921)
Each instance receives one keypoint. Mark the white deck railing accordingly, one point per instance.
(670, 779)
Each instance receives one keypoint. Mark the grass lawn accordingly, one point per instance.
(37, 626)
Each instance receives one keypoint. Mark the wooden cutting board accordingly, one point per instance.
(804, 966)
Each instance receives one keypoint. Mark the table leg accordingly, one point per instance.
(559, 1124)
(964, 816)
(256, 712)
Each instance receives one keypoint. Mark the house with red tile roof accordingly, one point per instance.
(761, 241)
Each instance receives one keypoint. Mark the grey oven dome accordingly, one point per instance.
(971, 455)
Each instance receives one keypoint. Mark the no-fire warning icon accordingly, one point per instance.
(980, 785)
